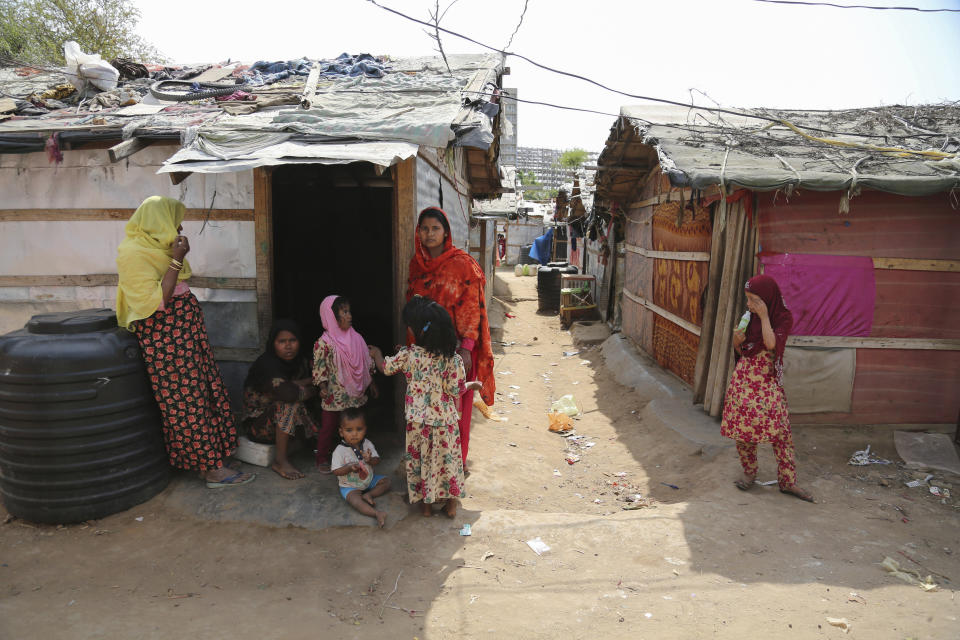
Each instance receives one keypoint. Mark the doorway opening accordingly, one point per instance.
(332, 228)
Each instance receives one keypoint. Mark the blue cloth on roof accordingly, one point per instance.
(352, 66)
(542, 248)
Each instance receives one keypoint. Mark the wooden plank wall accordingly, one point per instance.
(637, 322)
(891, 385)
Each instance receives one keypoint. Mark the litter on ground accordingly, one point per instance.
(864, 457)
(538, 546)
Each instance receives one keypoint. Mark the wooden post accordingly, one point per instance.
(705, 347)
(404, 221)
(127, 148)
(721, 355)
(263, 240)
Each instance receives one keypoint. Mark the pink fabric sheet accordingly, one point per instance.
(828, 295)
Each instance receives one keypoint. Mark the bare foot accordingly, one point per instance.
(324, 468)
(798, 492)
(368, 499)
(745, 483)
(451, 508)
(426, 510)
(381, 518)
(286, 470)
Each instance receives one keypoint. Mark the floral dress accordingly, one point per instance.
(280, 404)
(433, 460)
(198, 424)
(755, 411)
(333, 396)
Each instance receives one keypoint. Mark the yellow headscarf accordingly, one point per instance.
(144, 257)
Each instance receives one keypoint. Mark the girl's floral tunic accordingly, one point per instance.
(433, 460)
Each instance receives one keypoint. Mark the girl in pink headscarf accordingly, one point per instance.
(341, 369)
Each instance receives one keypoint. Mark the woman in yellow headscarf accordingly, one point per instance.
(155, 303)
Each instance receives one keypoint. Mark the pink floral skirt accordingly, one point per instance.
(755, 407)
(433, 462)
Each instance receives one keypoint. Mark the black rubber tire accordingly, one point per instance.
(210, 91)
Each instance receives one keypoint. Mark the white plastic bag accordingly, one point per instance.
(86, 67)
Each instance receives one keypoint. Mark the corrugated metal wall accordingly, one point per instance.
(891, 385)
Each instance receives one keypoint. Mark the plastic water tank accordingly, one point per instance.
(79, 428)
(548, 285)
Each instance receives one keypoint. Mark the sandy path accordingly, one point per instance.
(707, 560)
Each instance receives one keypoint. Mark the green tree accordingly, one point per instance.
(36, 30)
(572, 159)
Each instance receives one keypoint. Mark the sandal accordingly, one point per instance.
(797, 492)
(743, 484)
(232, 481)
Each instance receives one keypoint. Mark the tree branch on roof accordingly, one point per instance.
(436, 16)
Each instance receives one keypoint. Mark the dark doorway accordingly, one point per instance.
(332, 229)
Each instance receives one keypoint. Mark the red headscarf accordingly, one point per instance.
(780, 319)
(455, 281)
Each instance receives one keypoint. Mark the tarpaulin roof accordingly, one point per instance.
(909, 151)
(415, 101)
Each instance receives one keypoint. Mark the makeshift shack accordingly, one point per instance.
(312, 187)
(855, 213)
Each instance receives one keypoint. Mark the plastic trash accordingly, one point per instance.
(911, 577)
(466, 530)
(566, 404)
(864, 457)
(913, 484)
(572, 458)
(940, 492)
(559, 422)
(89, 67)
(538, 546)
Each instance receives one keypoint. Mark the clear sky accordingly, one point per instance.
(739, 52)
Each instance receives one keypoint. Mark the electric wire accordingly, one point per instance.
(570, 74)
(857, 6)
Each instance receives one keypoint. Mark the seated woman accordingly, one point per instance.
(275, 394)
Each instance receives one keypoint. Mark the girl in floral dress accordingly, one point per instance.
(341, 369)
(755, 407)
(435, 382)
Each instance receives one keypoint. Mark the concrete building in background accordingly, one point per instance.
(543, 163)
(508, 137)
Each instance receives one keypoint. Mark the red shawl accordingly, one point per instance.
(456, 282)
(780, 319)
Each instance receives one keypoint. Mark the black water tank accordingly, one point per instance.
(548, 288)
(79, 427)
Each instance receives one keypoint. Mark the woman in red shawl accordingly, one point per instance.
(755, 407)
(452, 278)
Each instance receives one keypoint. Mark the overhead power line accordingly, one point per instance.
(686, 105)
(858, 6)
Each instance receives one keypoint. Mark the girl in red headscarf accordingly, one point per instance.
(452, 278)
(755, 407)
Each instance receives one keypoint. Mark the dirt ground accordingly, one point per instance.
(704, 560)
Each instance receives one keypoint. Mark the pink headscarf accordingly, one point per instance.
(350, 351)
